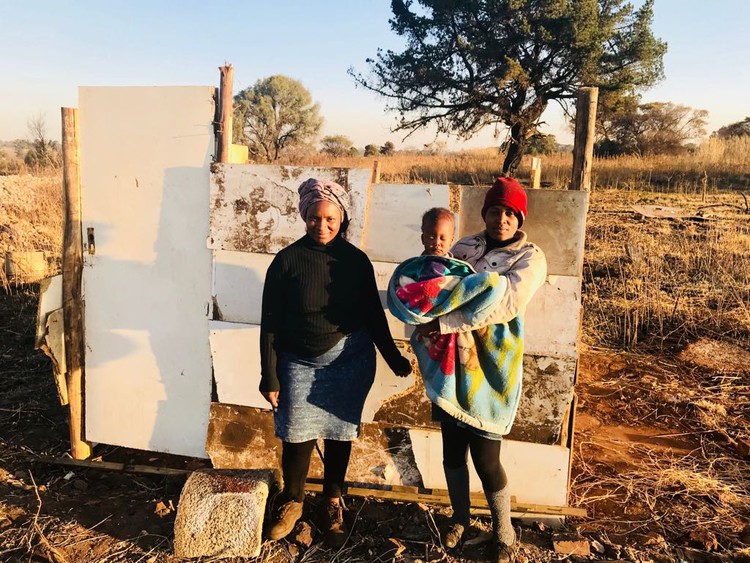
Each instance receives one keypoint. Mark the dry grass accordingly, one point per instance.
(664, 282)
(31, 218)
(717, 164)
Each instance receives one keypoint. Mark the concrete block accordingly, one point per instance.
(220, 514)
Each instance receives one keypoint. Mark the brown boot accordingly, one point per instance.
(332, 523)
(284, 518)
(504, 553)
(452, 535)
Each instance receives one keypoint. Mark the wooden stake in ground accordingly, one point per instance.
(225, 113)
(583, 149)
(72, 270)
(536, 173)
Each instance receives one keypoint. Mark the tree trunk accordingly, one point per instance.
(516, 146)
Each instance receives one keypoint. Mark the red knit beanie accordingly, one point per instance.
(508, 192)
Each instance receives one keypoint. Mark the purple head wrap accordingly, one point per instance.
(312, 191)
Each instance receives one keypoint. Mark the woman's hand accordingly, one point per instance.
(431, 329)
(273, 398)
(401, 367)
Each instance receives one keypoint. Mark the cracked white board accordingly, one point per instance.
(255, 207)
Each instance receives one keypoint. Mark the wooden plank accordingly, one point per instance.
(113, 466)
(536, 173)
(440, 496)
(225, 113)
(583, 147)
(72, 270)
(394, 493)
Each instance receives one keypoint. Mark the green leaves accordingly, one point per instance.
(473, 63)
(274, 114)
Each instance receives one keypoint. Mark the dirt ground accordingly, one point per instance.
(642, 436)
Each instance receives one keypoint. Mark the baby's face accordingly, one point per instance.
(438, 238)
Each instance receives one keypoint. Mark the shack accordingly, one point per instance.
(154, 324)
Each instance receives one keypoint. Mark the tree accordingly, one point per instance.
(739, 129)
(387, 149)
(473, 63)
(42, 152)
(337, 145)
(539, 143)
(371, 150)
(652, 128)
(274, 114)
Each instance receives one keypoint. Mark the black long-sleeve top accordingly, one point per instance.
(313, 296)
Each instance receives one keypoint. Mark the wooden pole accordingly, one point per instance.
(536, 173)
(72, 270)
(375, 172)
(225, 112)
(583, 149)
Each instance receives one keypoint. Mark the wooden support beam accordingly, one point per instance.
(398, 493)
(440, 496)
(375, 171)
(72, 271)
(225, 113)
(583, 148)
(536, 173)
(113, 466)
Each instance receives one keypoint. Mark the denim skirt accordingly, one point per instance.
(322, 397)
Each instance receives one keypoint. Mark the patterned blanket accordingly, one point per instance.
(474, 376)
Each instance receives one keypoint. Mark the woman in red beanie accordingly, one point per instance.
(504, 249)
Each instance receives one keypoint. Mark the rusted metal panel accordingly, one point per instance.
(556, 222)
(394, 222)
(243, 438)
(384, 454)
(547, 391)
(254, 207)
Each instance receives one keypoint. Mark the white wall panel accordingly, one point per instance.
(537, 473)
(553, 317)
(238, 285)
(145, 156)
(235, 350)
(386, 387)
(556, 222)
(395, 219)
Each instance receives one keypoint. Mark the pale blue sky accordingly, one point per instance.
(49, 48)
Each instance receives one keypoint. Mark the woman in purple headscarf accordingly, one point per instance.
(321, 316)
